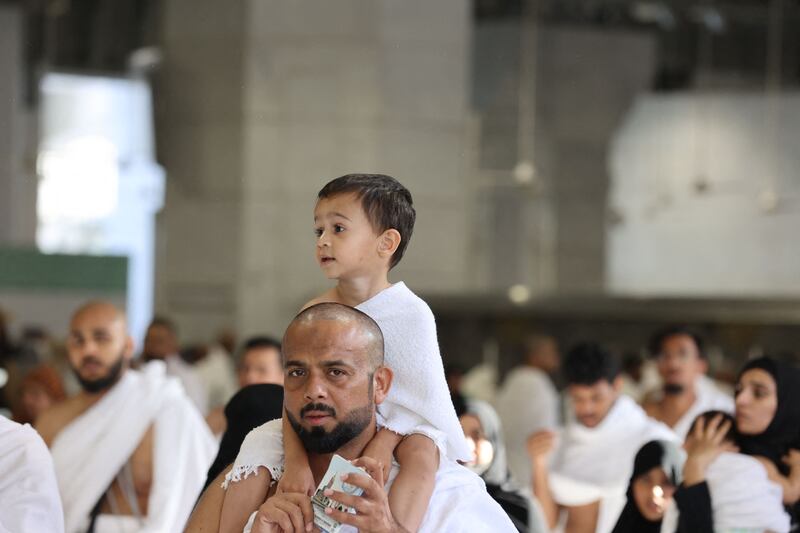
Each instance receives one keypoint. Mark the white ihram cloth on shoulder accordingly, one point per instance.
(29, 501)
(743, 498)
(419, 400)
(708, 398)
(595, 464)
(90, 452)
(459, 501)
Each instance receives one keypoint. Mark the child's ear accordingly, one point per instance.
(388, 242)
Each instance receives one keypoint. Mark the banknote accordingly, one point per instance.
(332, 480)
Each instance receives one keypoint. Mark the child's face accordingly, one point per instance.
(347, 244)
(652, 491)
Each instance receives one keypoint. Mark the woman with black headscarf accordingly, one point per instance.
(656, 472)
(767, 427)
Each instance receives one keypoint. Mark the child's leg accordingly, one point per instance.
(412, 488)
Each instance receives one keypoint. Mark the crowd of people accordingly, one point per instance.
(110, 438)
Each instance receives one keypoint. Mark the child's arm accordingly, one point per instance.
(297, 475)
(540, 445)
(789, 484)
(412, 488)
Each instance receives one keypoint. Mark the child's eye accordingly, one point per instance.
(318, 232)
(338, 228)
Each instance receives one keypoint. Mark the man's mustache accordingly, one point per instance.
(90, 359)
(318, 407)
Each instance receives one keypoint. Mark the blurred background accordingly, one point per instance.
(581, 168)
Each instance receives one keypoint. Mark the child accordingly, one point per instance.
(743, 497)
(363, 223)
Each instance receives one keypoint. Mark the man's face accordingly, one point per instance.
(329, 391)
(679, 363)
(159, 343)
(545, 355)
(347, 244)
(261, 365)
(591, 403)
(98, 347)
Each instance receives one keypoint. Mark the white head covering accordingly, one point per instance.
(497, 472)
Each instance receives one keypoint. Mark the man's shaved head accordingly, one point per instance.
(343, 314)
(102, 308)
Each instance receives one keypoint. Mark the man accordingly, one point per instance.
(686, 391)
(29, 498)
(130, 450)
(587, 477)
(334, 379)
(260, 363)
(528, 402)
(161, 343)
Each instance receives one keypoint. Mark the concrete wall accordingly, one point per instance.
(17, 140)
(709, 197)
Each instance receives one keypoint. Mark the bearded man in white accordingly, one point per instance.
(334, 379)
(130, 450)
(581, 472)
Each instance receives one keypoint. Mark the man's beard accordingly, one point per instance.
(319, 441)
(93, 386)
(673, 389)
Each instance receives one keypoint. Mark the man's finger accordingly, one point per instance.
(355, 520)
(350, 500)
(367, 483)
(304, 503)
(293, 511)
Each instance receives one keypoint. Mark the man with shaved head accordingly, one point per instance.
(334, 382)
(130, 450)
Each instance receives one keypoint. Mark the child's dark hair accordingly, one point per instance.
(587, 363)
(387, 204)
(730, 435)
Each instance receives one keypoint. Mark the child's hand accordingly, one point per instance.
(704, 444)
(792, 460)
(297, 479)
(540, 446)
(382, 452)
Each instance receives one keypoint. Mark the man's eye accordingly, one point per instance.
(295, 373)
(336, 372)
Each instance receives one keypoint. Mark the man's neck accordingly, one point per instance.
(675, 405)
(358, 290)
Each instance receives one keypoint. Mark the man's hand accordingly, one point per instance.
(706, 443)
(372, 507)
(540, 446)
(288, 512)
(297, 479)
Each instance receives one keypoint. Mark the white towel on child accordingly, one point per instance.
(595, 464)
(743, 498)
(419, 400)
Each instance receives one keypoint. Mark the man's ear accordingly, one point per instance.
(128, 349)
(618, 383)
(388, 241)
(381, 383)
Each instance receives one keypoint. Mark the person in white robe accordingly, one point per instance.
(528, 402)
(335, 381)
(686, 391)
(581, 472)
(29, 500)
(130, 451)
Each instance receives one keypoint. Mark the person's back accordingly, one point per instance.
(528, 402)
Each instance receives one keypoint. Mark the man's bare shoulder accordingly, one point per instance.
(53, 420)
(326, 297)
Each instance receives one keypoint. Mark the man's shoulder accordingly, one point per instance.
(57, 417)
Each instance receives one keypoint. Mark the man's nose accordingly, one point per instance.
(315, 387)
